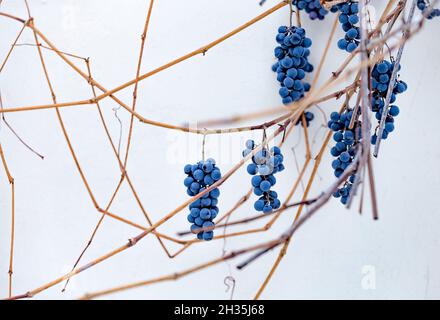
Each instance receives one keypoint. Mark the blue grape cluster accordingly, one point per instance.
(312, 7)
(292, 64)
(204, 210)
(265, 163)
(423, 5)
(344, 150)
(349, 18)
(381, 77)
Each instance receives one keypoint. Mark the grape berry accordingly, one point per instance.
(309, 117)
(312, 7)
(423, 6)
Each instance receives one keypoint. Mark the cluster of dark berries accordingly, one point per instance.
(204, 210)
(265, 163)
(349, 18)
(345, 148)
(292, 54)
(292, 65)
(423, 5)
(312, 7)
(381, 77)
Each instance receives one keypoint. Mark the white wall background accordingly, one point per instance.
(54, 215)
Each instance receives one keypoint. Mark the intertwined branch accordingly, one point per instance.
(281, 121)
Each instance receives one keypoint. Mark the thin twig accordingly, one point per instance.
(16, 134)
(50, 49)
(110, 93)
(286, 236)
(12, 237)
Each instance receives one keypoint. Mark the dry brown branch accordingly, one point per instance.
(281, 121)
